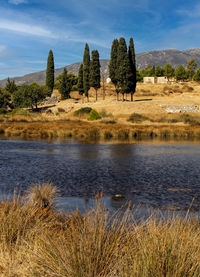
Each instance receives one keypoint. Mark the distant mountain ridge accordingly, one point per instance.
(173, 56)
(155, 57)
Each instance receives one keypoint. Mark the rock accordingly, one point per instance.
(118, 197)
(181, 108)
(51, 100)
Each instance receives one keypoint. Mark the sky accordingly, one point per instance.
(30, 28)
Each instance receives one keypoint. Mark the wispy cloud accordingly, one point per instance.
(191, 12)
(25, 28)
(17, 2)
(2, 48)
(4, 52)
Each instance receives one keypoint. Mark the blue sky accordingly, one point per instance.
(30, 28)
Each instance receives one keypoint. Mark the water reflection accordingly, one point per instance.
(157, 175)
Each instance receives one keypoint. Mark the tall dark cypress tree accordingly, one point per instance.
(50, 71)
(131, 54)
(95, 76)
(86, 70)
(64, 88)
(80, 81)
(123, 68)
(113, 64)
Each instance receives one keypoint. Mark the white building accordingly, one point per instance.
(108, 80)
(156, 80)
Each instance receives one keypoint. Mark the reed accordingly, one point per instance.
(39, 241)
(82, 130)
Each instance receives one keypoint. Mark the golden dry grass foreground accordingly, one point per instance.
(59, 121)
(38, 240)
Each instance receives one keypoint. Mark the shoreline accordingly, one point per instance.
(97, 131)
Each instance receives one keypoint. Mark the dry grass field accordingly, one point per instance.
(147, 99)
(38, 240)
(146, 116)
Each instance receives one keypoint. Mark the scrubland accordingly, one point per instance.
(145, 117)
(38, 240)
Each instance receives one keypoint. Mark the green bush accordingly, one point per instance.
(82, 111)
(94, 115)
(135, 118)
(19, 111)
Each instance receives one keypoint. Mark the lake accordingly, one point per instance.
(164, 175)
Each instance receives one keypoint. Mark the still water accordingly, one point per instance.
(163, 175)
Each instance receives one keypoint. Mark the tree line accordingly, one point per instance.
(180, 73)
(122, 72)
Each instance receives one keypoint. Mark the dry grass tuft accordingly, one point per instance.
(42, 195)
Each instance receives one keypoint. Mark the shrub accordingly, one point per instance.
(49, 111)
(82, 111)
(104, 113)
(187, 88)
(3, 111)
(94, 115)
(19, 111)
(61, 110)
(187, 119)
(135, 118)
(111, 121)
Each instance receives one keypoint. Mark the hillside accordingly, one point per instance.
(173, 56)
(157, 57)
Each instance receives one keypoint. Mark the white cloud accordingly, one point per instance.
(4, 51)
(25, 28)
(17, 2)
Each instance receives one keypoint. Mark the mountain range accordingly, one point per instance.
(156, 57)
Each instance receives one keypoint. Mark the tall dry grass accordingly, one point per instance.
(38, 241)
(176, 127)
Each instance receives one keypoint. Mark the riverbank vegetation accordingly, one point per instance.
(104, 129)
(38, 240)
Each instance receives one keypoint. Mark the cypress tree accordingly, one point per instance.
(80, 81)
(124, 74)
(131, 54)
(113, 64)
(95, 76)
(50, 71)
(64, 88)
(86, 70)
